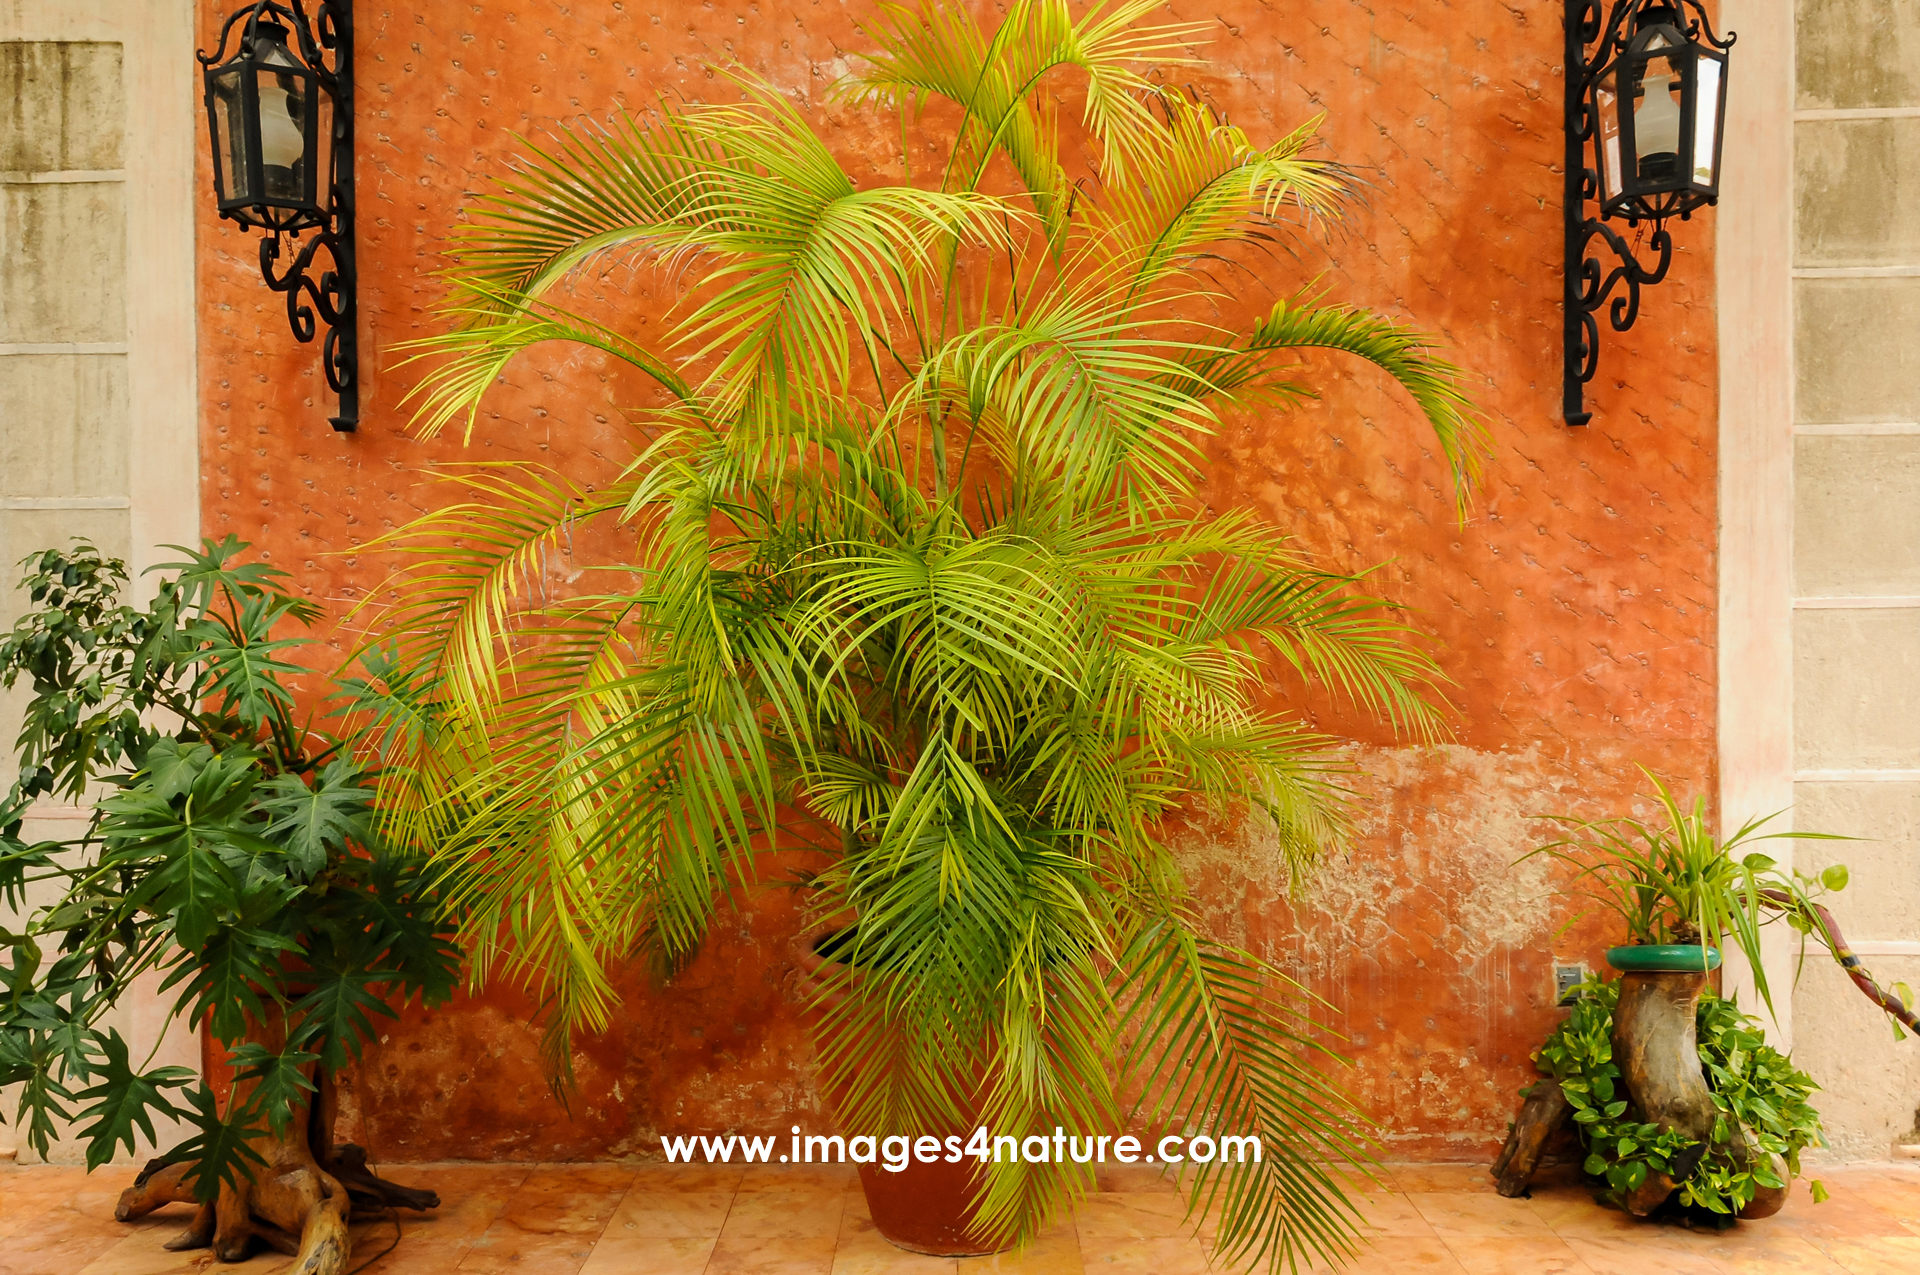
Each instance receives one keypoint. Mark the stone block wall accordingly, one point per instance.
(97, 406)
(1856, 547)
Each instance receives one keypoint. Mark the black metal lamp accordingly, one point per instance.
(1651, 101)
(280, 117)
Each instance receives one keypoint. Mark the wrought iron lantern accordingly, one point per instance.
(280, 119)
(1651, 103)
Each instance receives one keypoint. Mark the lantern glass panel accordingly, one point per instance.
(230, 135)
(1606, 100)
(285, 94)
(283, 134)
(1706, 123)
(1656, 121)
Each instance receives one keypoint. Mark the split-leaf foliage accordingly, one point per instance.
(912, 575)
(231, 858)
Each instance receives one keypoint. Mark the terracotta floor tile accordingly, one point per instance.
(26, 1253)
(771, 1257)
(141, 1254)
(1391, 1213)
(1133, 1177)
(413, 1256)
(1847, 1216)
(555, 1212)
(1397, 1256)
(1055, 1252)
(577, 1220)
(1472, 1213)
(1126, 1255)
(671, 1215)
(1135, 1215)
(780, 1215)
(792, 1178)
(861, 1250)
(84, 1210)
(1628, 1257)
(688, 1177)
(1758, 1248)
(580, 1179)
(505, 1248)
(1879, 1255)
(1412, 1178)
(40, 1179)
(458, 1220)
(1498, 1255)
(459, 1181)
(617, 1255)
(1575, 1211)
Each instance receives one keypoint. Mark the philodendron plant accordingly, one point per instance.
(912, 547)
(231, 861)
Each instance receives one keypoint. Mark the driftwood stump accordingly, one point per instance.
(298, 1203)
(1545, 1111)
(1657, 1050)
(1658, 1053)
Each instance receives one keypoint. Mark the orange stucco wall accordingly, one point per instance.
(1573, 610)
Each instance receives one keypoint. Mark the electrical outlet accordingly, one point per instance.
(1566, 982)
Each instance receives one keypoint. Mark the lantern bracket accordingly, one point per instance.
(329, 298)
(1589, 284)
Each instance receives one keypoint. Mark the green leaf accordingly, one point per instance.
(1616, 1108)
(124, 1100)
(1626, 1147)
(312, 821)
(1819, 1190)
(334, 1016)
(241, 659)
(1904, 992)
(1834, 877)
(196, 889)
(173, 765)
(235, 973)
(1757, 862)
(220, 1151)
(1595, 1165)
(283, 1082)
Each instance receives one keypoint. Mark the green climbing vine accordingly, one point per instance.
(1755, 1087)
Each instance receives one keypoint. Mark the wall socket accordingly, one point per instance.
(1566, 983)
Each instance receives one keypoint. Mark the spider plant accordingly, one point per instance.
(1678, 883)
(911, 575)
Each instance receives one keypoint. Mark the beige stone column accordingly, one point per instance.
(98, 403)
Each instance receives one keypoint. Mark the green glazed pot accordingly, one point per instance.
(1664, 958)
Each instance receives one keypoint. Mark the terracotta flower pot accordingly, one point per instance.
(922, 1208)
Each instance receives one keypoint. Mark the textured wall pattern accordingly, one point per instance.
(1573, 610)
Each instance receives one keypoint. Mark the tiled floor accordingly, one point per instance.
(606, 1219)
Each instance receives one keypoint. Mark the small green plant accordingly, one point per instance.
(1680, 884)
(232, 848)
(1756, 1089)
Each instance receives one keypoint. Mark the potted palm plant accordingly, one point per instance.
(1705, 1114)
(910, 574)
(232, 851)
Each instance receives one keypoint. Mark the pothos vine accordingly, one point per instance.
(1755, 1088)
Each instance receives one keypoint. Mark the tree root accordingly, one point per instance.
(298, 1203)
